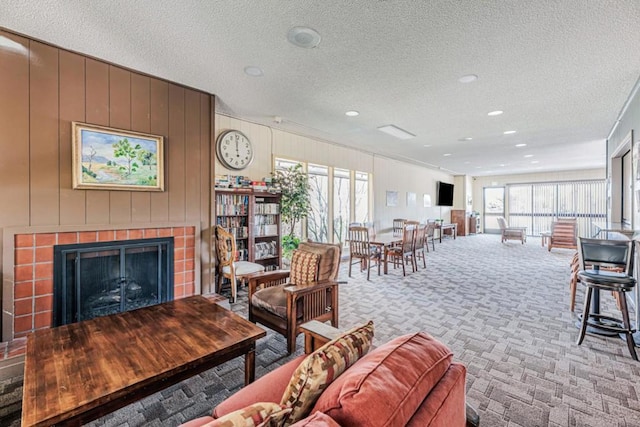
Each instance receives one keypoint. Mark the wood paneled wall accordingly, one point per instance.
(44, 88)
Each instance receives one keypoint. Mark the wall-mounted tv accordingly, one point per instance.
(444, 194)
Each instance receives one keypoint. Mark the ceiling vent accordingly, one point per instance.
(396, 131)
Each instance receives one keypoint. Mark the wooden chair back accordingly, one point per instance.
(398, 224)
(564, 234)
(421, 234)
(371, 227)
(225, 247)
(359, 245)
(408, 238)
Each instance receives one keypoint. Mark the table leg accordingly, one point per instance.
(386, 265)
(250, 365)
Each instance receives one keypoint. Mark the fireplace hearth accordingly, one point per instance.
(102, 278)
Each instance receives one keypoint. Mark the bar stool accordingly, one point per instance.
(607, 253)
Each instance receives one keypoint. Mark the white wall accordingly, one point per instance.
(388, 174)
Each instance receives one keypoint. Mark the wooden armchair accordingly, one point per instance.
(283, 306)
(362, 251)
(564, 234)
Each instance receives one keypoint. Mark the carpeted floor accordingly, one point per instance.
(501, 308)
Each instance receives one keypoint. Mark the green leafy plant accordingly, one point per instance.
(123, 148)
(295, 202)
(289, 244)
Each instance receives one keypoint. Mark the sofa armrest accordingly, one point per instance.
(268, 388)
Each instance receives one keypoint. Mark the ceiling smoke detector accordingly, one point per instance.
(304, 37)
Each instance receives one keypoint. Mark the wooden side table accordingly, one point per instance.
(545, 235)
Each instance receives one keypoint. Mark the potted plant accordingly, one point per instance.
(294, 204)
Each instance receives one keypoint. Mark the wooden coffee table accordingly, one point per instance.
(76, 373)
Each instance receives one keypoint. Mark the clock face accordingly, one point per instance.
(234, 150)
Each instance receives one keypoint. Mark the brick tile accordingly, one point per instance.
(190, 231)
(44, 303)
(24, 240)
(178, 292)
(44, 270)
(189, 289)
(190, 242)
(44, 287)
(178, 231)
(23, 290)
(189, 277)
(122, 234)
(106, 235)
(190, 253)
(44, 254)
(165, 232)
(23, 273)
(43, 320)
(17, 347)
(24, 256)
(88, 236)
(178, 266)
(178, 242)
(22, 307)
(45, 239)
(189, 265)
(178, 279)
(150, 233)
(23, 324)
(135, 234)
(67, 238)
(178, 254)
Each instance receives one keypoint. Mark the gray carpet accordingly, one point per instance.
(501, 308)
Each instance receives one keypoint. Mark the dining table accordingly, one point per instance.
(384, 241)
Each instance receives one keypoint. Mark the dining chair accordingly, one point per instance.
(564, 234)
(418, 246)
(398, 223)
(227, 265)
(511, 233)
(362, 251)
(430, 236)
(404, 252)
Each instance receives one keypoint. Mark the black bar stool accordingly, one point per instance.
(616, 256)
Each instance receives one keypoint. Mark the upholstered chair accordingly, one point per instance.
(511, 233)
(285, 299)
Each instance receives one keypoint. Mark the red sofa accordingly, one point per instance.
(409, 381)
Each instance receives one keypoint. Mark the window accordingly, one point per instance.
(318, 219)
(341, 204)
(361, 197)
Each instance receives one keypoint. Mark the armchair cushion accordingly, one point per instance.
(405, 370)
(272, 299)
(317, 420)
(304, 267)
(322, 367)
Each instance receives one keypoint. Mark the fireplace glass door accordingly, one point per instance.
(98, 279)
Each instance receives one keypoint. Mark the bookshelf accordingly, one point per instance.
(254, 219)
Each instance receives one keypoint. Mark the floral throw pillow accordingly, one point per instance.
(262, 414)
(323, 366)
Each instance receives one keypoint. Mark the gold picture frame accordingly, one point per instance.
(106, 158)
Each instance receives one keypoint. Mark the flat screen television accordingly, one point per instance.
(444, 194)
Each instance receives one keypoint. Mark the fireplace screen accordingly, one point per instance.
(97, 279)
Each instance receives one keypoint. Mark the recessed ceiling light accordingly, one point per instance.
(396, 131)
(468, 138)
(528, 155)
(467, 162)
(521, 145)
(509, 132)
(253, 71)
(502, 165)
(426, 145)
(495, 113)
(352, 113)
(304, 37)
(468, 78)
(446, 154)
(533, 162)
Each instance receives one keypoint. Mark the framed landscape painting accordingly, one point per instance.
(112, 159)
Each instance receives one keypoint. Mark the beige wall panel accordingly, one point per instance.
(206, 177)
(176, 154)
(159, 122)
(72, 108)
(14, 137)
(43, 129)
(259, 135)
(393, 175)
(97, 112)
(140, 122)
(120, 118)
(192, 155)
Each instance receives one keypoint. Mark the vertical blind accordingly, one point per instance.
(537, 205)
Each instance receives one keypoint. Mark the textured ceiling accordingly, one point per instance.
(560, 70)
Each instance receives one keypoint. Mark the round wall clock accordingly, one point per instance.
(234, 150)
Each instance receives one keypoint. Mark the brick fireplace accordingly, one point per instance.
(30, 304)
